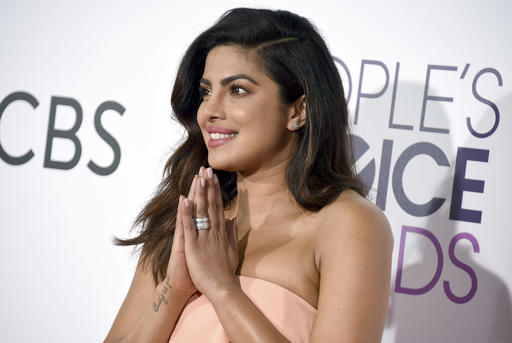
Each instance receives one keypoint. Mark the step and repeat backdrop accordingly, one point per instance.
(86, 128)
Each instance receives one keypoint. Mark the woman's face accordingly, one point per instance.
(243, 122)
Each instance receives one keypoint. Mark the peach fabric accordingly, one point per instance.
(288, 312)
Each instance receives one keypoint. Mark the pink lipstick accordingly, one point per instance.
(220, 135)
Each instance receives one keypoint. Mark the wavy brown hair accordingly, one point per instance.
(292, 53)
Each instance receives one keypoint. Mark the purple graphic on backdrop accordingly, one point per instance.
(379, 177)
(430, 237)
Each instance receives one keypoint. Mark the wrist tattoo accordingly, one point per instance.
(162, 298)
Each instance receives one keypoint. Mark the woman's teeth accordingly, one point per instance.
(215, 135)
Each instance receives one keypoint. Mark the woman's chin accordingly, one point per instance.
(224, 164)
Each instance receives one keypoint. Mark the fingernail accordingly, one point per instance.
(202, 182)
(201, 170)
(209, 171)
(180, 199)
(187, 203)
(215, 179)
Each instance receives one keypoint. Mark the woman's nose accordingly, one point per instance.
(212, 108)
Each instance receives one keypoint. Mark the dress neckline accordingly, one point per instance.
(301, 299)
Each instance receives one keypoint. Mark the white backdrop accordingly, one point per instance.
(413, 76)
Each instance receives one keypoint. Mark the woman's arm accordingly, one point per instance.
(354, 249)
(148, 313)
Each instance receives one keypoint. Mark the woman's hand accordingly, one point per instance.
(178, 276)
(212, 254)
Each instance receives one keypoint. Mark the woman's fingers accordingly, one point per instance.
(207, 201)
(215, 213)
(201, 202)
(178, 232)
(189, 231)
(193, 187)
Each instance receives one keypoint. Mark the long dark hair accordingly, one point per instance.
(293, 54)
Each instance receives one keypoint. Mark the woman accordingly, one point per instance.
(275, 241)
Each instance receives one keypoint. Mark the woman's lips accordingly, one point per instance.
(213, 143)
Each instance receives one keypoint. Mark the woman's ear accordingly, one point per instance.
(297, 114)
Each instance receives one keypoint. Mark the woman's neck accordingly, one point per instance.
(262, 193)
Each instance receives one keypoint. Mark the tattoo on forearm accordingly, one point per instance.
(162, 298)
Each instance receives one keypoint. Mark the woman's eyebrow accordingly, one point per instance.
(206, 82)
(229, 79)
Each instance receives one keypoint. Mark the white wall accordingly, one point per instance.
(62, 278)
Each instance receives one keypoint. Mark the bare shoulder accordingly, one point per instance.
(353, 217)
(353, 254)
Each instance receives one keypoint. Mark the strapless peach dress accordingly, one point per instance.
(288, 312)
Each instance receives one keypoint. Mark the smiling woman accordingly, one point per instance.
(240, 99)
(275, 241)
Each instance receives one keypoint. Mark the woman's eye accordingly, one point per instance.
(238, 90)
(204, 92)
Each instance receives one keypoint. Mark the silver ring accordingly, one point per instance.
(202, 223)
